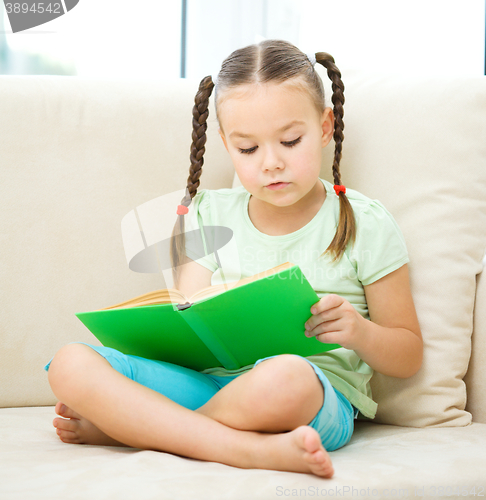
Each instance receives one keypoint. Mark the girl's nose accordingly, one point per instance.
(271, 160)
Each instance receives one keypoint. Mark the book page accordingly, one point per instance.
(166, 296)
(173, 296)
(216, 290)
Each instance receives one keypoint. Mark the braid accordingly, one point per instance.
(200, 113)
(346, 230)
(338, 101)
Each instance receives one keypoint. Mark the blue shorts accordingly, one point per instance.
(192, 389)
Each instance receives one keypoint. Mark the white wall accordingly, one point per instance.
(412, 36)
(142, 39)
(109, 38)
(218, 27)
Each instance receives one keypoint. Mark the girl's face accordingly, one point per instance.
(275, 135)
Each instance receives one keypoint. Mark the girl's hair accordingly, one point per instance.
(269, 61)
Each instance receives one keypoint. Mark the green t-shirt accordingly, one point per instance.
(378, 250)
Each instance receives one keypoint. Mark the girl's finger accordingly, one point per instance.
(324, 317)
(328, 302)
(324, 327)
(328, 337)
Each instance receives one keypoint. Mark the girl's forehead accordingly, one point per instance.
(261, 98)
(257, 89)
(265, 107)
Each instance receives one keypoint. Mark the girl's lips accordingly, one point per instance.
(278, 185)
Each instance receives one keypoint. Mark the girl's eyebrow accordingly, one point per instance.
(283, 129)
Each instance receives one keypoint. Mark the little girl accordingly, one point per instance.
(285, 412)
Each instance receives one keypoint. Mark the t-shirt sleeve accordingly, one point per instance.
(380, 246)
(199, 215)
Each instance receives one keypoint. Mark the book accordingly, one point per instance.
(224, 325)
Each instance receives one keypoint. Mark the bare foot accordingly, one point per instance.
(75, 429)
(300, 450)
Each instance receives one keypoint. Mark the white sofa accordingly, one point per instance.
(78, 154)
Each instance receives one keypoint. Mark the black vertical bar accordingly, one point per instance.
(183, 38)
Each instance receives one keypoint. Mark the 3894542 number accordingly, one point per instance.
(464, 491)
(38, 8)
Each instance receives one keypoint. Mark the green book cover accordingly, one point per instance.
(258, 319)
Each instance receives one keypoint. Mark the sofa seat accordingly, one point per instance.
(381, 461)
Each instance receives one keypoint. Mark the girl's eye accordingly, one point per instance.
(290, 144)
(248, 151)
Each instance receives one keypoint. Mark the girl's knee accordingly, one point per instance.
(289, 382)
(68, 365)
(287, 370)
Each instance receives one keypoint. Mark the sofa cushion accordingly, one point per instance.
(475, 378)
(420, 150)
(417, 145)
(77, 155)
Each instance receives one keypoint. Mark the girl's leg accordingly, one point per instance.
(277, 395)
(75, 429)
(293, 387)
(137, 416)
(186, 387)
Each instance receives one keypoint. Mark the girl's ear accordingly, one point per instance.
(327, 124)
(224, 139)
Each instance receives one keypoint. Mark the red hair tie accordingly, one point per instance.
(182, 210)
(339, 188)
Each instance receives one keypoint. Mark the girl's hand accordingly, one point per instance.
(335, 321)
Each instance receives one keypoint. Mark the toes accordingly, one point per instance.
(312, 441)
(320, 464)
(318, 460)
(64, 411)
(60, 408)
(325, 468)
(68, 436)
(318, 457)
(66, 425)
(315, 455)
(328, 472)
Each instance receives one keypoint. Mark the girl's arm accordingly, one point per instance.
(193, 277)
(391, 343)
